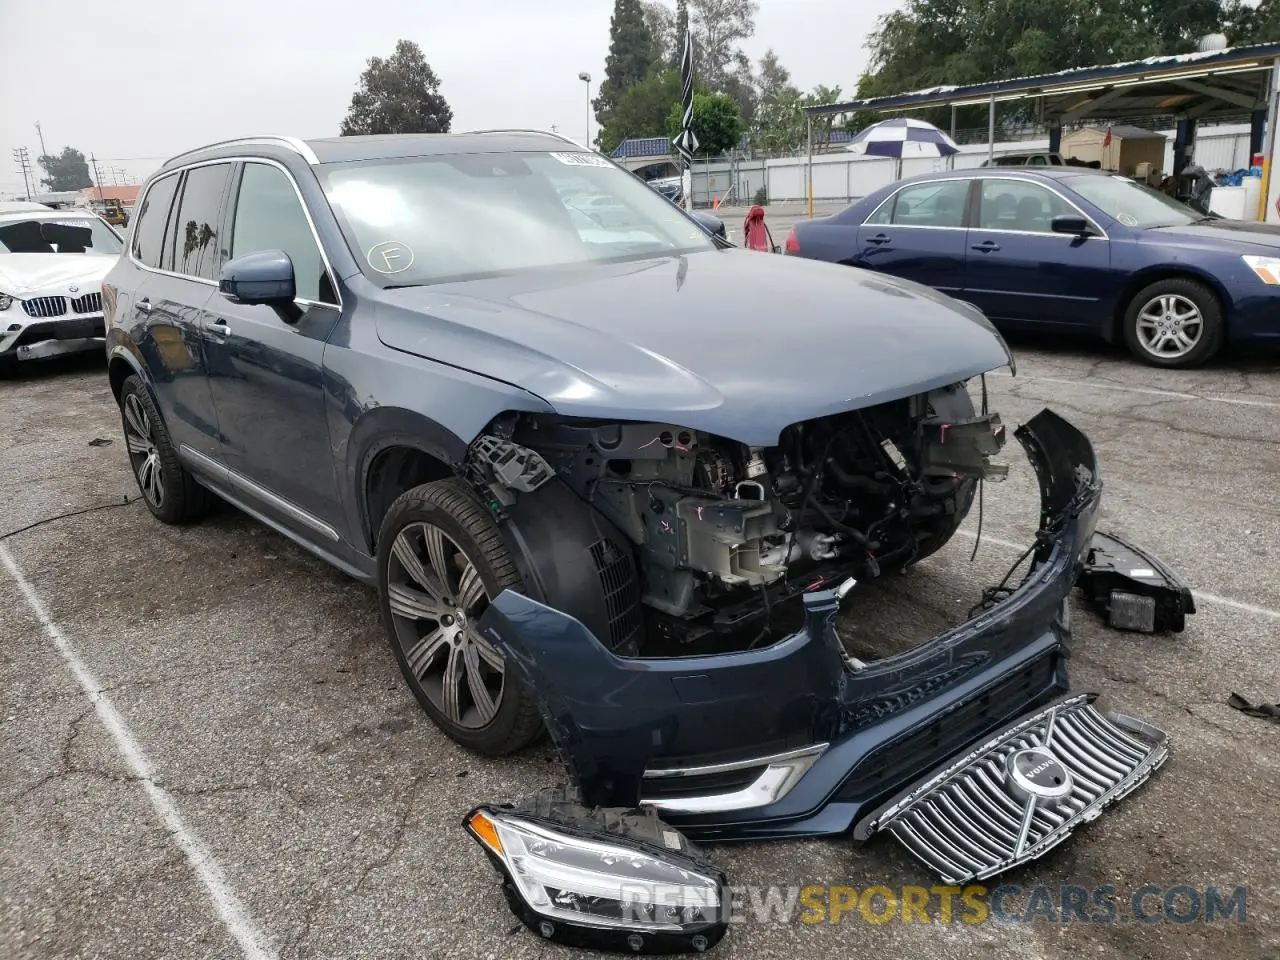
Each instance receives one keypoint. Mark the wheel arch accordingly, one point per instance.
(392, 450)
(1114, 332)
(122, 364)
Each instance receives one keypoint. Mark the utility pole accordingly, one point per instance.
(40, 134)
(23, 159)
(96, 178)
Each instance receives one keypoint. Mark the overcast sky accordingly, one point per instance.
(136, 81)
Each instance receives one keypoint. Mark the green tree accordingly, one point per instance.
(929, 43)
(400, 94)
(67, 170)
(1245, 24)
(643, 109)
(718, 26)
(822, 123)
(630, 56)
(681, 29)
(717, 123)
(662, 29)
(778, 123)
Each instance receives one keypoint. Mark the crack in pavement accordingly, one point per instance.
(397, 836)
(67, 768)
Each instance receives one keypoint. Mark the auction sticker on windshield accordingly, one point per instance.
(582, 160)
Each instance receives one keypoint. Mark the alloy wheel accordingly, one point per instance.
(1170, 326)
(139, 435)
(436, 597)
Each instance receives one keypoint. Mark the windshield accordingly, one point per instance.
(1133, 204)
(69, 235)
(429, 219)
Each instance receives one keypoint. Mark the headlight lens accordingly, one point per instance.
(582, 884)
(6, 301)
(1267, 268)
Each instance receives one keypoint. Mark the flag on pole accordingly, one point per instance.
(685, 142)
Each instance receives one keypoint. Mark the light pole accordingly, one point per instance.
(586, 78)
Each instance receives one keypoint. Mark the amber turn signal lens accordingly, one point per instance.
(485, 832)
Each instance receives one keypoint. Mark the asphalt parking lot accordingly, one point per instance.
(294, 802)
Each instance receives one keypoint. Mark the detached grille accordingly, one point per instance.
(46, 306)
(89, 303)
(621, 592)
(978, 817)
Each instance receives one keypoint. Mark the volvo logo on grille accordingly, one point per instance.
(1037, 774)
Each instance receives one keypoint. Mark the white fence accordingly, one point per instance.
(844, 176)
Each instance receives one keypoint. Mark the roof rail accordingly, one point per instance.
(544, 133)
(298, 146)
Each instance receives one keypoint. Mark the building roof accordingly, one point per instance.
(1239, 73)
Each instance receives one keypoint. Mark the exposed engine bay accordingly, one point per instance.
(696, 543)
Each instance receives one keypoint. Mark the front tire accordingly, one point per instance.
(441, 560)
(168, 489)
(1174, 323)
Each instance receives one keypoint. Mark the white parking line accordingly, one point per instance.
(1146, 391)
(1198, 594)
(230, 910)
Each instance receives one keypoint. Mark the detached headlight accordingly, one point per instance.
(6, 301)
(1267, 268)
(621, 881)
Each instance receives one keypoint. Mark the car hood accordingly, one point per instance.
(32, 274)
(736, 343)
(1220, 232)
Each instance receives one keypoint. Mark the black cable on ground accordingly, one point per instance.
(71, 513)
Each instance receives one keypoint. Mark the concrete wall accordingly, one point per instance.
(844, 177)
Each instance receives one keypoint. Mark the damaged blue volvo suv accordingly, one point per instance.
(612, 479)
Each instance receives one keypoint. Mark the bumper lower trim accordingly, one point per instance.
(1022, 792)
(780, 774)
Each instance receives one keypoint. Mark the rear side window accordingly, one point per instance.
(198, 251)
(148, 232)
(269, 216)
(931, 204)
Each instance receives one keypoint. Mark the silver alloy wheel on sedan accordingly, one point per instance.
(139, 435)
(1169, 326)
(436, 598)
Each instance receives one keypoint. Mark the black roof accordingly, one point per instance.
(389, 146)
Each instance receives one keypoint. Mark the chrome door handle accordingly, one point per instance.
(144, 305)
(220, 328)
(987, 246)
(878, 238)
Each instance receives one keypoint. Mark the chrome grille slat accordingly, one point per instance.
(89, 303)
(43, 307)
(981, 815)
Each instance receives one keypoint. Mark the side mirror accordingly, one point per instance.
(265, 277)
(713, 225)
(1069, 223)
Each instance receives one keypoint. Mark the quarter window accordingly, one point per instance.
(929, 204)
(198, 251)
(148, 232)
(1020, 205)
(269, 216)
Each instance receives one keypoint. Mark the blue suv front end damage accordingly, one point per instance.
(795, 739)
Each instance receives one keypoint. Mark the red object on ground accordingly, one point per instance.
(793, 242)
(755, 234)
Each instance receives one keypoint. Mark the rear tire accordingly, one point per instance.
(441, 560)
(1174, 323)
(168, 489)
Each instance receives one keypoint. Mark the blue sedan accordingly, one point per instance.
(1067, 247)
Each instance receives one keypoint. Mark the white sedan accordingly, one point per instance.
(51, 267)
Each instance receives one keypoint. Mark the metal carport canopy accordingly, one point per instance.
(1192, 86)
